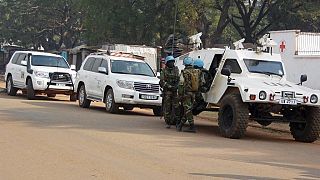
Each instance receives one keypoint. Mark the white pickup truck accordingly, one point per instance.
(252, 85)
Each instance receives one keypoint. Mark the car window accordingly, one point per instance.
(233, 65)
(131, 67)
(96, 65)
(104, 64)
(15, 58)
(88, 65)
(49, 61)
(21, 58)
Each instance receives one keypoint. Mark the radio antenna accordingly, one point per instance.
(174, 27)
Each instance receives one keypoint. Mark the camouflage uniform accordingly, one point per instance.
(169, 80)
(186, 96)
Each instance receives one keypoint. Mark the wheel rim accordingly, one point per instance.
(300, 126)
(227, 117)
(81, 96)
(9, 85)
(109, 101)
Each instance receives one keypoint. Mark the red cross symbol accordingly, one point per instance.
(282, 46)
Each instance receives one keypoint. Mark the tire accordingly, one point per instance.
(233, 117)
(111, 106)
(73, 97)
(157, 111)
(51, 95)
(264, 123)
(82, 96)
(307, 132)
(11, 90)
(30, 91)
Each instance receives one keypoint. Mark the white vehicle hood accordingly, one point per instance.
(273, 84)
(136, 78)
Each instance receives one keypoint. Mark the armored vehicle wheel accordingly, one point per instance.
(157, 111)
(264, 123)
(111, 105)
(11, 91)
(82, 95)
(310, 130)
(30, 91)
(233, 117)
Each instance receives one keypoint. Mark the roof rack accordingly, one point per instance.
(118, 54)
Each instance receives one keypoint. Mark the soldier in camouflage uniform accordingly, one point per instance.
(187, 93)
(169, 79)
(205, 84)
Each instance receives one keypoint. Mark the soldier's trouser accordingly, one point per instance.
(171, 107)
(187, 103)
(198, 97)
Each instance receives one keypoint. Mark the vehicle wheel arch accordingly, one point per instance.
(28, 77)
(106, 89)
(230, 90)
(79, 85)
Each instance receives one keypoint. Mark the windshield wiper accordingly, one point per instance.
(267, 73)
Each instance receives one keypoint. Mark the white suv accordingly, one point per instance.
(119, 80)
(38, 73)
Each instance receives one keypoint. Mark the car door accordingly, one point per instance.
(84, 75)
(103, 78)
(21, 70)
(96, 79)
(13, 68)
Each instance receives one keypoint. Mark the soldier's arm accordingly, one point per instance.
(162, 79)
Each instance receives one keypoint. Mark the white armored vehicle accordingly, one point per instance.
(252, 85)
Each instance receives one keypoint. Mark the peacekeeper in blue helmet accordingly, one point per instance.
(188, 86)
(205, 85)
(169, 80)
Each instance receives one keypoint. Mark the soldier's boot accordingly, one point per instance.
(192, 129)
(179, 126)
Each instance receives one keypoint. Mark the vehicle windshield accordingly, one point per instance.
(131, 67)
(49, 61)
(264, 67)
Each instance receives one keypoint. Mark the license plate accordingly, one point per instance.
(288, 101)
(148, 97)
(61, 85)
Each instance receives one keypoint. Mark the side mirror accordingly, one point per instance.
(103, 70)
(24, 63)
(158, 75)
(303, 78)
(73, 67)
(226, 72)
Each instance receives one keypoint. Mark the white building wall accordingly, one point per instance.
(295, 64)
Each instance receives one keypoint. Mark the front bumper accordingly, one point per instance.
(132, 97)
(44, 84)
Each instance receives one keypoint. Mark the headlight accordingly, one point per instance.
(42, 74)
(262, 95)
(314, 99)
(125, 84)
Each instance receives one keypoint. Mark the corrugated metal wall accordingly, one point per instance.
(308, 43)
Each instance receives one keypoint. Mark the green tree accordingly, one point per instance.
(35, 23)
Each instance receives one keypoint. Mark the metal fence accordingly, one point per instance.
(308, 44)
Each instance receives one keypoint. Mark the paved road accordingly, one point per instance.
(55, 139)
